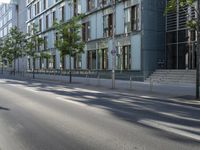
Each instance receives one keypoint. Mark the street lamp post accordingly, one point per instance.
(113, 44)
(2, 67)
(197, 51)
(70, 52)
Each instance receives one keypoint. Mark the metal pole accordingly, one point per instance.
(2, 67)
(70, 68)
(197, 52)
(70, 55)
(114, 48)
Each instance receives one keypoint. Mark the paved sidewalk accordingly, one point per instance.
(181, 91)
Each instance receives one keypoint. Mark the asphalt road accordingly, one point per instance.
(47, 116)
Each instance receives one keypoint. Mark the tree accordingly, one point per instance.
(68, 39)
(193, 24)
(34, 41)
(14, 46)
(1, 55)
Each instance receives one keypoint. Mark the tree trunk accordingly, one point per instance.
(14, 66)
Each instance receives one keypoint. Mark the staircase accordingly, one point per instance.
(173, 77)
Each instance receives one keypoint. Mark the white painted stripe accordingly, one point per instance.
(31, 90)
(70, 101)
(171, 129)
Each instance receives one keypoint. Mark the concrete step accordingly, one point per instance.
(173, 76)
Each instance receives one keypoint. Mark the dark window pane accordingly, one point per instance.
(172, 56)
(183, 36)
(171, 37)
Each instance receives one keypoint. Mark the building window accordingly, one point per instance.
(123, 59)
(35, 8)
(56, 37)
(75, 7)
(38, 7)
(103, 59)
(104, 2)
(62, 62)
(44, 4)
(29, 13)
(77, 61)
(9, 15)
(28, 29)
(45, 43)
(90, 5)
(86, 31)
(108, 25)
(126, 57)
(131, 19)
(29, 64)
(54, 17)
(62, 13)
(41, 62)
(47, 63)
(40, 25)
(47, 21)
(91, 59)
(54, 61)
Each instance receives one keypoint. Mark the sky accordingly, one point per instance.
(4, 1)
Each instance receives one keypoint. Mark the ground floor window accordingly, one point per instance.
(181, 56)
(54, 61)
(29, 64)
(47, 63)
(123, 59)
(77, 61)
(91, 59)
(103, 59)
(62, 62)
(41, 62)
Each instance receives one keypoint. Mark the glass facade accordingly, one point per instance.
(180, 41)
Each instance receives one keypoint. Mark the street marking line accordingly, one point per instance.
(25, 88)
(15, 85)
(70, 101)
(90, 97)
(172, 129)
(30, 89)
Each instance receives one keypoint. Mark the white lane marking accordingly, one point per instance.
(24, 87)
(30, 89)
(86, 90)
(148, 97)
(90, 97)
(2, 81)
(175, 129)
(15, 85)
(70, 101)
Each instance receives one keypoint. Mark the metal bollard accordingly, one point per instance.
(86, 79)
(131, 86)
(98, 80)
(151, 84)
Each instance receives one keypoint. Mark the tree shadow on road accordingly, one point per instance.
(166, 118)
(4, 108)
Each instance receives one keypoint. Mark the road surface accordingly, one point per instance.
(48, 116)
